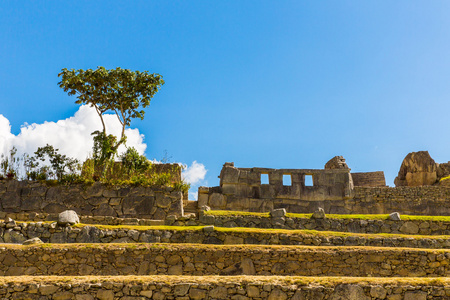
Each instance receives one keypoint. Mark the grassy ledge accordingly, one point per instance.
(251, 280)
(330, 216)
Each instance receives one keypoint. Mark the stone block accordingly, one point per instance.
(217, 201)
(202, 199)
(104, 210)
(229, 189)
(278, 213)
(229, 175)
(409, 228)
(11, 200)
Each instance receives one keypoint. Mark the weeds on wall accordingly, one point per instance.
(48, 165)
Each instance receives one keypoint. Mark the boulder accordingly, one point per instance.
(33, 241)
(278, 213)
(395, 216)
(319, 214)
(417, 169)
(68, 217)
(337, 162)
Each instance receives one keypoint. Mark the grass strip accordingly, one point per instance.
(330, 216)
(213, 279)
(208, 247)
(289, 232)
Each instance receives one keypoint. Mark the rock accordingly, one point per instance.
(415, 296)
(181, 289)
(89, 234)
(319, 214)
(205, 208)
(348, 292)
(105, 294)
(253, 291)
(395, 216)
(197, 294)
(409, 227)
(247, 266)
(337, 162)
(378, 292)
(417, 169)
(68, 217)
(278, 213)
(13, 237)
(33, 241)
(219, 293)
(47, 289)
(277, 294)
(208, 228)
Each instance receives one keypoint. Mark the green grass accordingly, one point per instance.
(235, 213)
(140, 227)
(331, 216)
(444, 178)
(290, 232)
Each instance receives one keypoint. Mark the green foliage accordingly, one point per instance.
(121, 91)
(104, 147)
(134, 163)
(9, 165)
(61, 167)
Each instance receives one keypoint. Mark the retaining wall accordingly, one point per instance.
(422, 227)
(91, 200)
(206, 235)
(172, 259)
(189, 287)
(424, 200)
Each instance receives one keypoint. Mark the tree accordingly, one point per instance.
(121, 91)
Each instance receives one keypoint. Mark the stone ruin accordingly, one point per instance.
(245, 189)
(201, 257)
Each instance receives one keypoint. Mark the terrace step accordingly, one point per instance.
(218, 287)
(49, 233)
(202, 260)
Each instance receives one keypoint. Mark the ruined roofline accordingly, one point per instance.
(268, 170)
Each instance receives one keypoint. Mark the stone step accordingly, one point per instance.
(220, 287)
(201, 260)
(50, 233)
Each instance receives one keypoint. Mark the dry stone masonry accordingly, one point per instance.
(80, 254)
(90, 200)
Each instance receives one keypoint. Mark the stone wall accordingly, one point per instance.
(423, 200)
(169, 259)
(191, 287)
(50, 233)
(243, 188)
(369, 179)
(410, 227)
(91, 200)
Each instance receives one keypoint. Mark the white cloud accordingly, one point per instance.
(194, 174)
(72, 136)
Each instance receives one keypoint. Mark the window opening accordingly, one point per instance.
(287, 180)
(309, 180)
(264, 178)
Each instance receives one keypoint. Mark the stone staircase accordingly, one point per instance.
(224, 255)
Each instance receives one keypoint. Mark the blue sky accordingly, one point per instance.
(280, 84)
